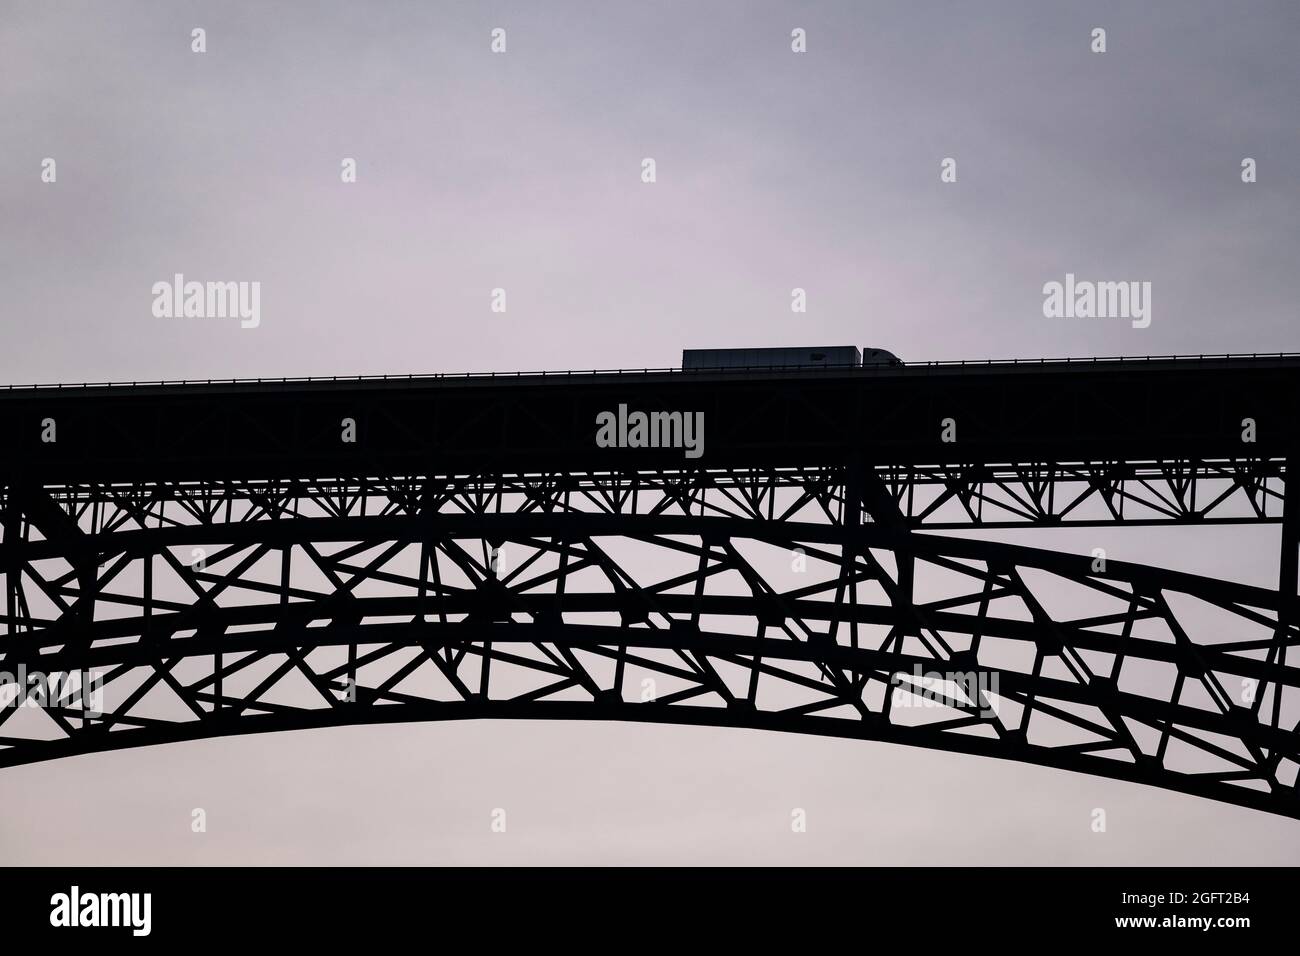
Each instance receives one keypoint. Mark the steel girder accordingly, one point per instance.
(1046, 493)
(802, 600)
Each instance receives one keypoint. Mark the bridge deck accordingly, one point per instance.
(1058, 410)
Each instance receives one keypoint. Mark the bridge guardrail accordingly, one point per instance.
(438, 376)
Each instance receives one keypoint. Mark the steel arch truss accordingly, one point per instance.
(801, 600)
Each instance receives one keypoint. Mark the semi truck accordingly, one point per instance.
(833, 356)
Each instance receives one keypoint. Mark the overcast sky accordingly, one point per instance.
(522, 171)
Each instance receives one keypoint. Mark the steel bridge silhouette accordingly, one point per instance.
(226, 561)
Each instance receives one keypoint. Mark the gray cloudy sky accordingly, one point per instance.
(522, 171)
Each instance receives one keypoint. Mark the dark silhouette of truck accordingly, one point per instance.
(834, 356)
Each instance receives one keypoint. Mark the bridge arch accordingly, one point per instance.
(303, 617)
